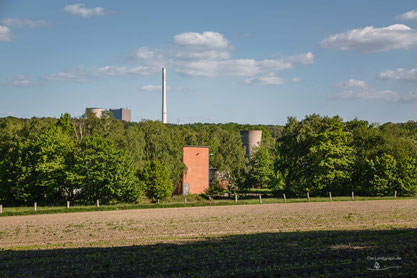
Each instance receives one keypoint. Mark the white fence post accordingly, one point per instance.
(185, 200)
(260, 198)
(395, 194)
(330, 196)
(35, 206)
(308, 196)
(353, 196)
(285, 198)
(1, 208)
(236, 198)
(68, 204)
(98, 203)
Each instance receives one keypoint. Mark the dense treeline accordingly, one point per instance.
(52, 160)
(327, 155)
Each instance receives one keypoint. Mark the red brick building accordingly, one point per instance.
(196, 178)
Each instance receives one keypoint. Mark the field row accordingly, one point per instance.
(158, 225)
(322, 239)
(179, 201)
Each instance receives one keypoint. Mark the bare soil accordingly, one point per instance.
(139, 227)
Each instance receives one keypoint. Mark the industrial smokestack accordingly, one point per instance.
(164, 96)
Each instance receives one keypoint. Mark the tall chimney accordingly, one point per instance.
(164, 96)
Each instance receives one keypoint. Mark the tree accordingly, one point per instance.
(158, 185)
(15, 172)
(407, 176)
(261, 165)
(331, 158)
(103, 172)
(383, 174)
(227, 154)
(165, 144)
(53, 159)
(315, 154)
(64, 122)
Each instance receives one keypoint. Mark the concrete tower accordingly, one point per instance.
(96, 112)
(251, 139)
(164, 96)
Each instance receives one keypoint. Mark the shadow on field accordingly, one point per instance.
(322, 253)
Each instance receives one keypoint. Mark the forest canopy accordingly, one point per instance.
(51, 160)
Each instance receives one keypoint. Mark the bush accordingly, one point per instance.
(158, 185)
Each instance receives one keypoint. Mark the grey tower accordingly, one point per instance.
(164, 96)
(251, 139)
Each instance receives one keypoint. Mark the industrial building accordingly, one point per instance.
(251, 139)
(94, 112)
(164, 95)
(196, 178)
(122, 114)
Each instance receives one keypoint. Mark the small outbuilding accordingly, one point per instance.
(196, 178)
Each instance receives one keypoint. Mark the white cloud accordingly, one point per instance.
(5, 34)
(399, 74)
(208, 54)
(158, 88)
(71, 76)
(146, 53)
(371, 39)
(410, 15)
(353, 83)
(82, 75)
(386, 95)
(296, 80)
(204, 40)
(17, 81)
(304, 58)
(204, 54)
(374, 95)
(360, 91)
(81, 10)
(239, 67)
(270, 79)
(120, 71)
(188, 46)
(23, 22)
(209, 68)
(201, 46)
(151, 88)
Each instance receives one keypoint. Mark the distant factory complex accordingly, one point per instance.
(122, 114)
(199, 175)
(125, 114)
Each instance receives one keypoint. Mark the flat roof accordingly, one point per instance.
(191, 146)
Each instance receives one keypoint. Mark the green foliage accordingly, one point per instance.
(103, 172)
(158, 185)
(315, 154)
(64, 122)
(227, 154)
(215, 188)
(331, 158)
(407, 176)
(382, 173)
(52, 160)
(52, 155)
(261, 173)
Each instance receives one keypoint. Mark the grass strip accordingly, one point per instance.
(16, 211)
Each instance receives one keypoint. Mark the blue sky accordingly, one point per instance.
(227, 61)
